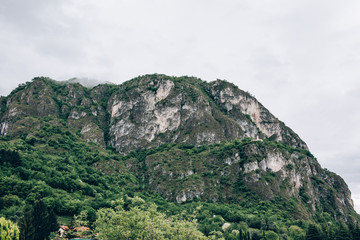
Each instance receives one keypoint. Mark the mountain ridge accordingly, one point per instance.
(255, 118)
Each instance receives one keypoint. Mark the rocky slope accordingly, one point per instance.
(157, 109)
(226, 146)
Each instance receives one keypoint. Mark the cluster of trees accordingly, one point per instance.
(337, 232)
(135, 218)
(35, 224)
(142, 221)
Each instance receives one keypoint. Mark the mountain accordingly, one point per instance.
(148, 111)
(179, 138)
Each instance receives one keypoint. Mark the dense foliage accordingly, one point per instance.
(54, 165)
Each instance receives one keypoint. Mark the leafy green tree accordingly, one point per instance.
(10, 156)
(271, 235)
(343, 233)
(27, 228)
(355, 232)
(8, 230)
(296, 233)
(86, 217)
(143, 221)
(216, 235)
(81, 219)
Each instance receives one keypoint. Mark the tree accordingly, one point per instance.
(296, 233)
(27, 229)
(343, 233)
(143, 221)
(81, 219)
(8, 230)
(38, 223)
(271, 235)
(313, 233)
(356, 233)
(216, 235)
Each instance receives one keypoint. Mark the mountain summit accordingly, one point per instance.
(150, 110)
(185, 139)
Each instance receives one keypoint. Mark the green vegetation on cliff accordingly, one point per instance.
(71, 176)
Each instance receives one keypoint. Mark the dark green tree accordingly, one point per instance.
(11, 157)
(38, 223)
(27, 229)
(354, 231)
(45, 219)
(313, 233)
(342, 233)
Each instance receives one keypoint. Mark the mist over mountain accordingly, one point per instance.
(87, 82)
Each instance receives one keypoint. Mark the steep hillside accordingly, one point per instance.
(178, 139)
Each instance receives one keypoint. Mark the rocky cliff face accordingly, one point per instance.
(73, 103)
(224, 145)
(236, 102)
(157, 109)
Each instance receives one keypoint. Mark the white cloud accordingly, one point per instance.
(299, 58)
(356, 199)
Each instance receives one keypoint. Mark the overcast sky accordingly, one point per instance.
(300, 58)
